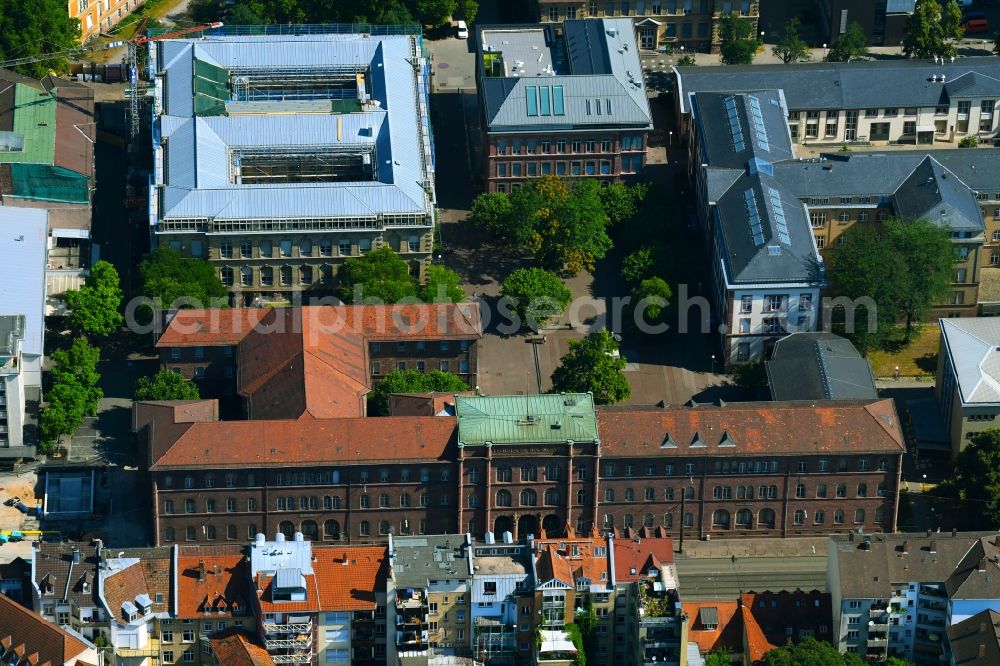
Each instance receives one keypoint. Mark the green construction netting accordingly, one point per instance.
(211, 89)
(48, 183)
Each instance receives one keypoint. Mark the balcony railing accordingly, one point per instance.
(299, 642)
(298, 658)
(294, 628)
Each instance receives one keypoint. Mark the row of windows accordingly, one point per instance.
(723, 519)
(232, 480)
(419, 346)
(588, 168)
(264, 249)
(421, 366)
(310, 529)
(562, 146)
(286, 275)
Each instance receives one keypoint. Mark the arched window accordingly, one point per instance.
(819, 517)
(765, 519)
(266, 276)
(859, 515)
(741, 492)
(404, 500)
(231, 532)
(285, 273)
(310, 529)
(744, 519)
(629, 495)
(627, 521)
(327, 502)
(720, 519)
(246, 276)
(503, 473)
(287, 528)
(609, 494)
(365, 501)
(688, 519)
(306, 275)
(878, 514)
(326, 275)
(503, 498)
(609, 520)
(226, 275)
(668, 494)
(841, 490)
(668, 520)
(383, 527)
(838, 517)
(821, 490)
(383, 500)
(800, 517)
(528, 497)
(364, 528)
(169, 534)
(689, 492)
(581, 497)
(552, 497)
(647, 520)
(404, 526)
(331, 530)
(862, 490)
(800, 490)
(722, 492)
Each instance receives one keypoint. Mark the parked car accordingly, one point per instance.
(975, 24)
(462, 31)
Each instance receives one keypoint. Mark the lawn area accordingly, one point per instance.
(918, 359)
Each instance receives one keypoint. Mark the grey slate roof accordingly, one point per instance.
(928, 192)
(868, 574)
(733, 143)
(977, 576)
(973, 347)
(818, 366)
(849, 85)
(975, 641)
(596, 62)
(416, 560)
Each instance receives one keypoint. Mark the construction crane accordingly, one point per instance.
(137, 87)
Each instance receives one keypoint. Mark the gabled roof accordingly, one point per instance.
(568, 560)
(818, 366)
(973, 348)
(754, 639)
(517, 419)
(975, 641)
(349, 578)
(641, 554)
(973, 84)
(41, 641)
(977, 576)
(552, 567)
(736, 128)
(53, 566)
(239, 649)
(789, 427)
(213, 583)
(933, 192)
(142, 573)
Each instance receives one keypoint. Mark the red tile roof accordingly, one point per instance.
(214, 327)
(728, 634)
(224, 588)
(755, 642)
(753, 428)
(312, 603)
(37, 639)
(560, 563)
(642, 555)
(424, 404)
(238, 649)
(226, 444)
(349, 577)
(149, 576)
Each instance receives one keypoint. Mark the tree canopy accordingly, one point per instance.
(932, 29)
(976, 476)
(738, 43)
(653, 295)
(536, 295)
(905, 266)
(385, 12)
(413, 381)
(29, 29)
(167, 275)
(852, 45)
(564, 225)
(791, 47)
(382, 276)
(810, 652)
(593, 365)
(95, 308)
(74, 393)
(166, 385)
(442, 286)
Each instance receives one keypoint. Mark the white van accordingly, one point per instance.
(462, 31)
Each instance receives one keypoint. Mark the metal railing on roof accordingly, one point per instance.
(305, 29)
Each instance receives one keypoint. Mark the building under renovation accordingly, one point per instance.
(278, 156)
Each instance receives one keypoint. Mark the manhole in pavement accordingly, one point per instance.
(442, 65)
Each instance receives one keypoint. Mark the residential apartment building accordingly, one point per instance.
(432, 578)
(284, 160)
(898, 594)
(238, 649)
(975, 641)
(968, 401)
(63, 580)
(570, 103)
(528, 465)
(135, 597)
(501, 585)
(861, 103)
(47, 135)
(343, 349)
(27, 639)
(98, 16)
(661, 25)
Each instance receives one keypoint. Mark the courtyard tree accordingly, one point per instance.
(413, 381)
(31, 29)
(593, 364)
(905, 266)
(622, 202)
(851, 45)
(74, 393)
(932, 29)
(975, 477)
(490, 212)
(638, 265)
(738, 44)
(166, 385)
(434, 12)
(167, 275)
(378, 276)
(536, 295)
(95, 308)
(467, 10)
(810, 652)
(442, 286)
(652, 296)
(791, 48)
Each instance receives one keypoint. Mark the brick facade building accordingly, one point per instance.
(524, 464)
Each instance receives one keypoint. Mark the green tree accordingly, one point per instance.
(975, 476)
(30, 29)
(467, 10)
(204, 11)
(244, 15)
(638, 265)
(576, 637)
(791, 48)
(738, 43)
(720, 656)
(380, 275)
(654, 294)
(852, 45)
(903, 265)
(536, 295)
(969, 141)
(442, 286)
(686, 61)
(622, 202)
(896, 661)
(170, 277)
(932, 29)
(95, 308)
(810, 652)
(434, 12)
(74, 393)
(166, 385)
(593, 364)
(490, 212)
(77, 363)
(587, 623)
(413, 381)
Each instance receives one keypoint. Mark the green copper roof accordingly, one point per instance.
(526, 419)
(35, 121)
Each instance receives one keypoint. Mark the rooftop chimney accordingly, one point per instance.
(201, 571)
(933, 547)
(906, 547)
(954, 531)
(982, 565)
(982, 650)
